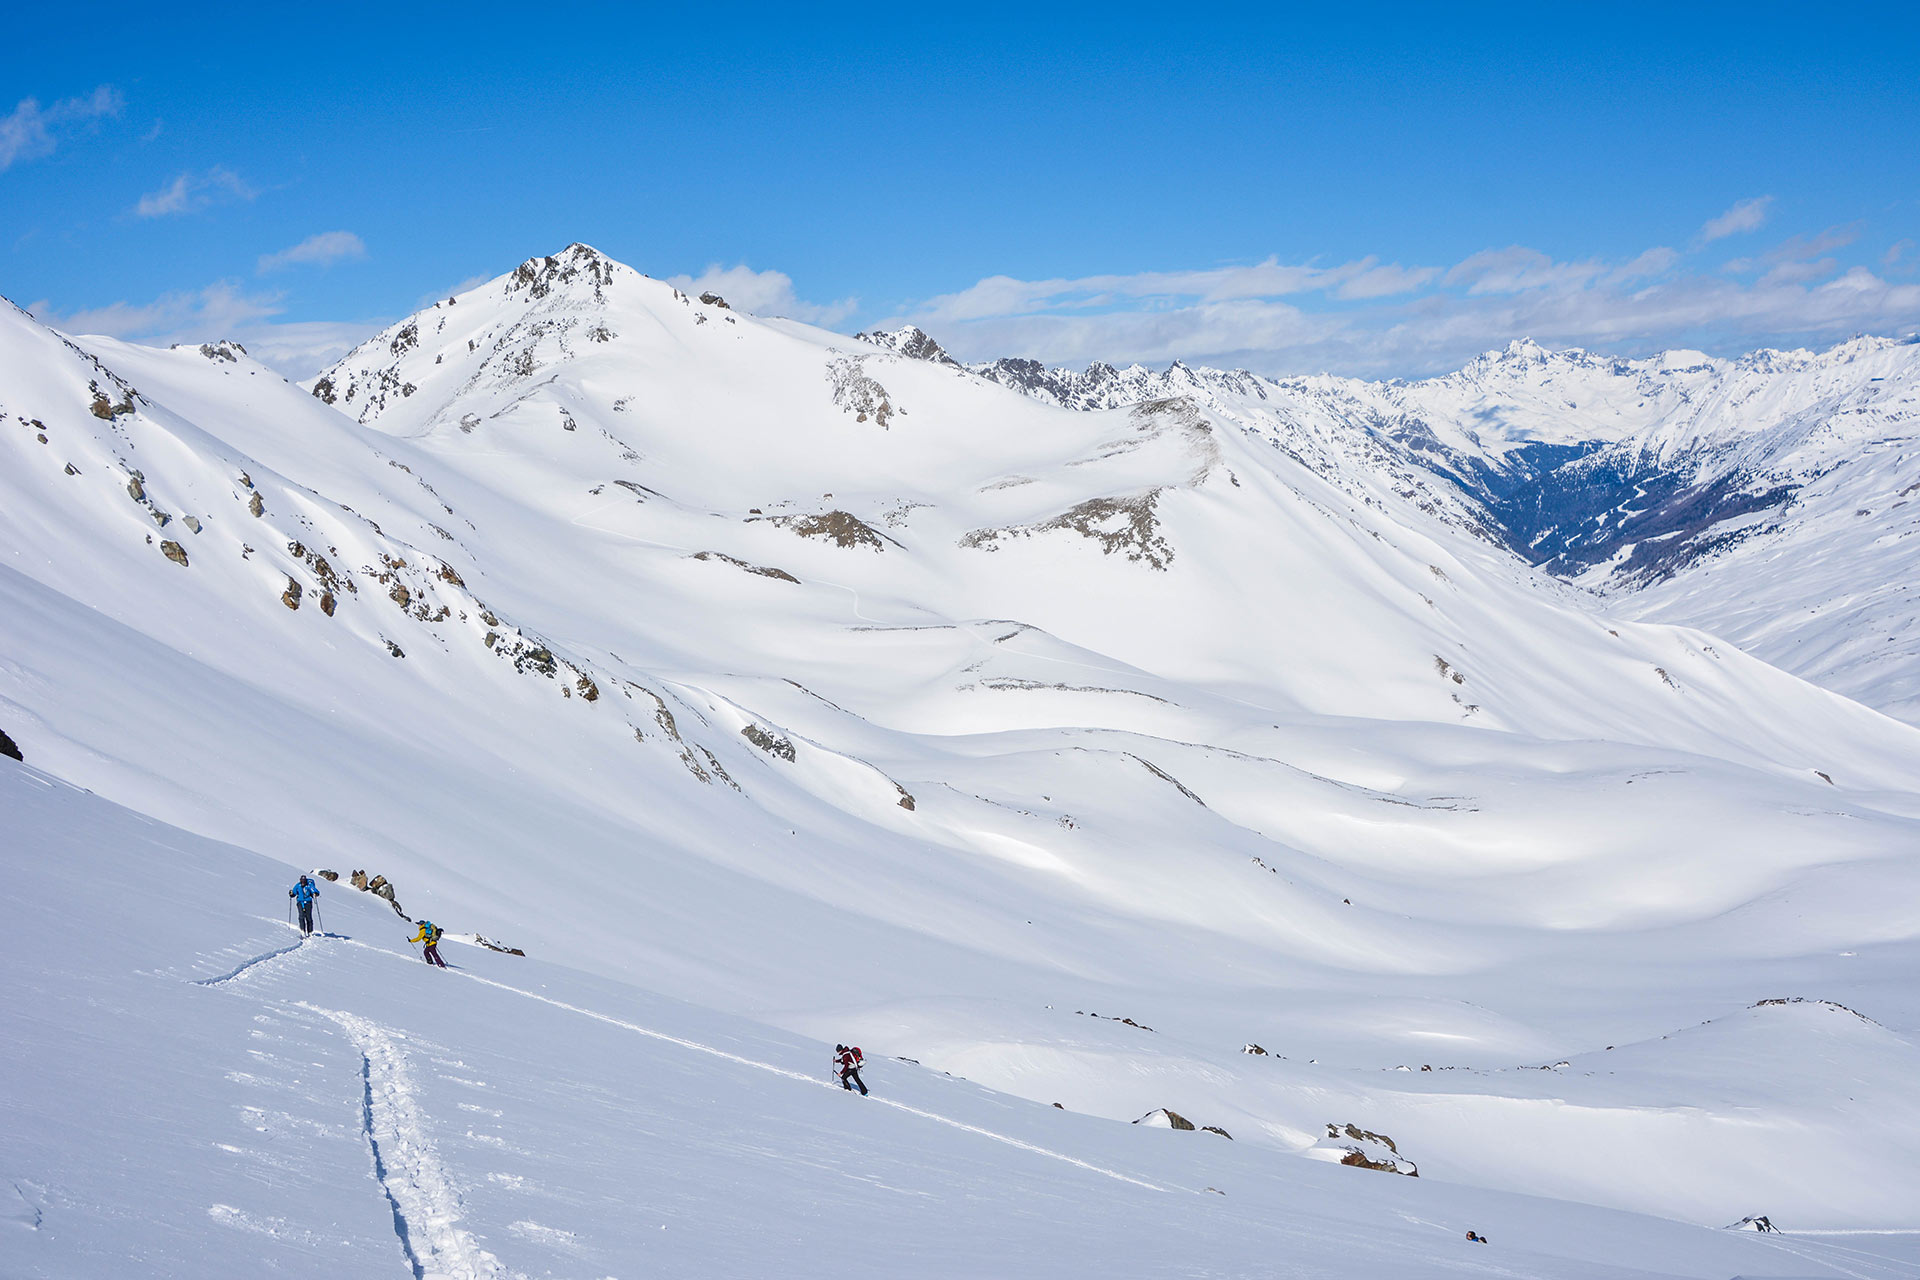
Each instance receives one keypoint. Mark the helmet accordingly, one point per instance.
(839, 1048)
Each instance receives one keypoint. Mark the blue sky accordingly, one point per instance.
(1383, 190)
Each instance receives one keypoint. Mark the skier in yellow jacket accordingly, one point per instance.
(429, 934)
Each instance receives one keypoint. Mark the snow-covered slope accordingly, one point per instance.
(854, 694)
(191, 1090)
(1766, 499)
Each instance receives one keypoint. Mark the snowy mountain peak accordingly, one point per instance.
(576, 265)
(910, 341)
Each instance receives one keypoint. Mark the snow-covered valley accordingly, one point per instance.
(770, 688)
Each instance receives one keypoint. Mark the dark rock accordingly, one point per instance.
(838, 527)
(1170, 1119)
(715, 300)
(328, 875)
(9, 749)
(771, 743)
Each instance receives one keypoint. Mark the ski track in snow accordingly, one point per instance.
(770, 1068)
(1876, 1267)
(426, 1206)
(697, 1047)
(247, 966)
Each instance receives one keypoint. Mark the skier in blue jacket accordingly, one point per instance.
(303, 895)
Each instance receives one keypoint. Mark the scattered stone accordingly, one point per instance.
(1255, 1050)
(1125, 525)
(256, 505)
(715, 300)
(192, 523)
(358, 880)
(136, 490)
(291, 596)
(395, 650)
(763, 570)
(1361, 1149)
(857, 393)
(1214, 1128)
(326, 602)
(771, 743)
(328, 875)
(906, 797)
(839, 527)
(174, 552)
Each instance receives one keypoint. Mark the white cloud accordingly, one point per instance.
(1747, 215)
(1517, 269)
(220, 310)
(316, 250)
(191, 192)
(1363, 318)
(29, 132)
(1898, 257)
(768, 293)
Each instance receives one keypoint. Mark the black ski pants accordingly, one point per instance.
(306, 916)
(851, 1077)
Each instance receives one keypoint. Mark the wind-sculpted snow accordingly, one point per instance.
(622, 636)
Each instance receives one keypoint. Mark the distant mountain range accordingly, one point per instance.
(1771, 499)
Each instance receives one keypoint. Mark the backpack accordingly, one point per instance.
(433, 932)
(855, 1051)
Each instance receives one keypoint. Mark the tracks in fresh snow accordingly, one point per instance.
(771, 1069)
(426, 1206)
(248, 966)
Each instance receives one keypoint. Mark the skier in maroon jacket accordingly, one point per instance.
(846, 1065)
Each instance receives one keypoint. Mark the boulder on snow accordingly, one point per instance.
(7, 748)
(1361, 1149)
(358, 879)
(1759, 1222)
(328, 875)
(771, 743)
(1165, 1119)
(174, 552)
